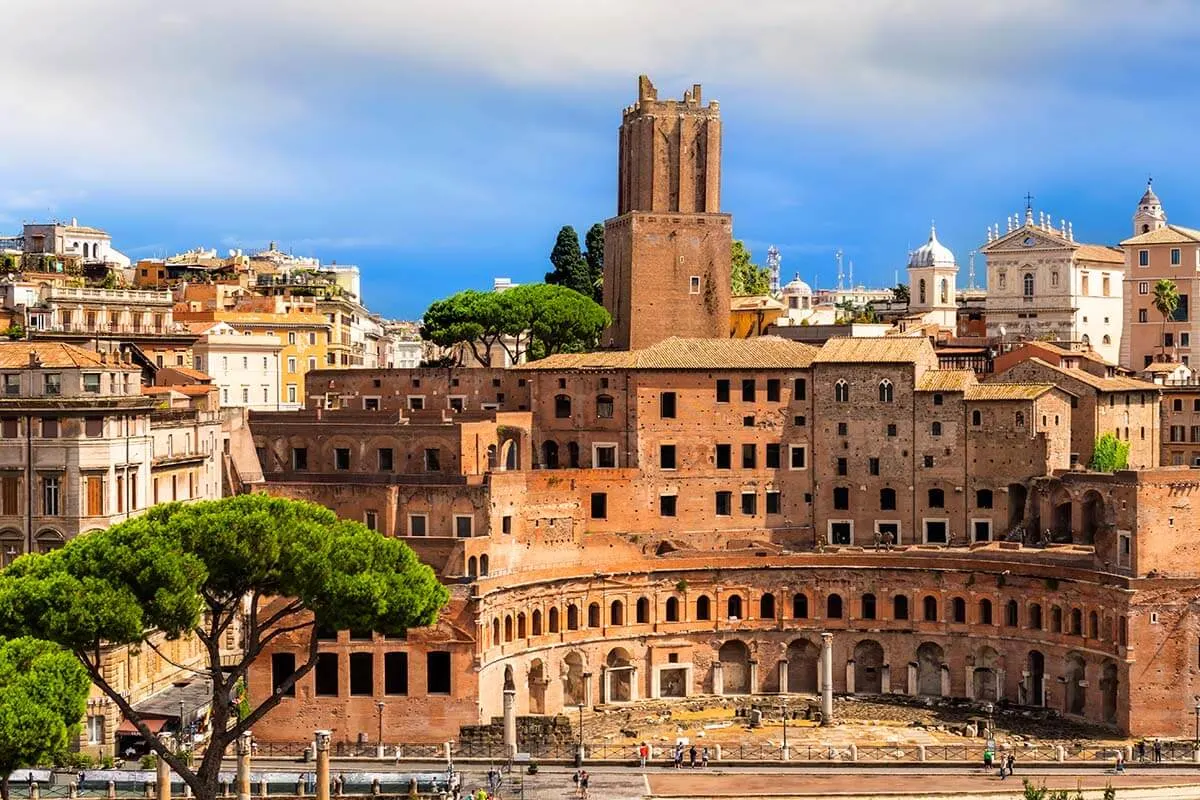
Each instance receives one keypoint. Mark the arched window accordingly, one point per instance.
(930, 603)
(921, 291)
(552, 620)
(868, 606)
(937, 498)
(672, 609)
(572, 618)
(945, 293)
(1056, 619)
(562, 406)
(899, 607)
(521, 625)
(958, 610)
(604, 406)
(642, 611)
(495, 632)
(733, 607)
(935, 429)
(616, 613)
(1107, 339)
(472, 567)
(800, 606)
(594, 615)
(841, 392)
(833, 607)
(1027, 283)
(976, 418)
(1035, 617)
(887, 499)
(766, 606)
(1076, 622)
(536, 619)
(885, 391)
(703, 607)
(985, 612)
(483, 564)
(1010, 614)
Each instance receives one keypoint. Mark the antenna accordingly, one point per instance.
(838, 256)
(773, 261)
(971, 270)
(852, 275)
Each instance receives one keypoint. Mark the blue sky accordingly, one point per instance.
(437, 144)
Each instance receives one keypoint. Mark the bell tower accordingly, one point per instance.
(1149, 215)
(667, 252)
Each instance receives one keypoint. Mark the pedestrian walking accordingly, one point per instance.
(678, 755)
(1012, 759)
(1003, 767)
(692, 757)
(704, 757)
(1157, 751)
(644, 753)
(987, 759)
(576, 779)
(1120, 761)
(1141, 750)
(584, 779)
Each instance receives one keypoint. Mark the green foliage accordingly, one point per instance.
(681, 586)
(900, 293)
(570, 267)
(8, 262)
(1166, 303)
(1110, 454)
(43, 695)
(594, 255)
(148, 761)
(186, 570)
(746, 277)
(538, 317)
(242, 702)
(73, 760)
(15, 331)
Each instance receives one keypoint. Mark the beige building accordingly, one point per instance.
(244, 365)
(932, 271)
(1042, 284)
(1158, 251)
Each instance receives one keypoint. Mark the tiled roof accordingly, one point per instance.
(193, 373)
(192, 389)
(1117, 384)
(15, 355)
(1168, 235)
(1160, 366)
(1007, 391)
(755, 302)
(945, 380)
(762, 352)
(1100, 252)
(862, 350)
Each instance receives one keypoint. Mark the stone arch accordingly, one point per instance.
(929, 607)
(734, 656)
(573, 455)
(1076, 622)
(593, 615)
(642, 610)
(1056, 619)
(766, 606)
(1093, 514)
(619, 675)
(48, 539)
(703, 607)
(868, 667)
(572, 617)
(985, 612)
(833, 606)
(472, 567)
(1093, 625)
(12, 546)
(958, 610)
(508, 627)
(549, 454)
(522, 631)
(1109, 685)
(616, 613)
(483, 564)
(535, 622)
(1076, 689)
(495, 631)
(1035, 679)
(733, 606)
(1060, 502)
(510, 455)
(537, 687)
(672, 609)
(985, 677)
(802, 659)
(574, 688)
(930, 658)
(552, 620)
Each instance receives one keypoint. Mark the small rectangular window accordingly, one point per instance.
(325, 675)
(362, 674)
(599, 505)
(724, 504)
(283, 665)
(464, 527)
(667, 503)
(799, 421)
(93, 427)
(773, 390)
(694, 284)
(748, 390)
(53, 383)
(666, 405)
(724, 459)
(1176, 257)
(371, 520)
(797, 458)
(842, 466)
(749, 503)
(749, 456)
(773, 456)
(91, 382)
(1143, 258)
(437, 671)
(722, 391)
(606, 456)
(774, 503)
(873, 466)
(891, 430)
(666, 456)
(299, 458)
(433, 459)
(506, 524)
(395, 673)
(1143, 287)
(12, 384)
(386, 459)
(843, 429)
(928, 461)
(799, 389)
(341, 458)
(417, 524)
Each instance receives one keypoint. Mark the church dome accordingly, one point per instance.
(1149, 198)
(931, 254)
(797, 286)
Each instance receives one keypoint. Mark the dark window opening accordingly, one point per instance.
(395, 673)
(362, 674)
(437, 672)
(325, 675)
(283, 665)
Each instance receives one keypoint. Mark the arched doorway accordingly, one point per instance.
(1093, 516)
(510, 456)
(537, 687)
(986, 676)
(1035, 680)
(549, 454)
(619, 676)
(802, 656)
(1109, 684)
(868, 667)
(1076, 672)
(734, 656)
(929, 669)
(574, 691)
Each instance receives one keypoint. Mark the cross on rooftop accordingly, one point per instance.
(1028, 201)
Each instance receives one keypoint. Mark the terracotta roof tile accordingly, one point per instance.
(755, 302)
(861, 350)
(1100, 252)
(762, 352)
(193, 373)
(946, 380)
(1007, 391)
(1168, 235)
(1117, 384)
(57, 355)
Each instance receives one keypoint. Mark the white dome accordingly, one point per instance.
(932, 254)
(797, 286)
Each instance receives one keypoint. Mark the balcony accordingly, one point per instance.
(119, 296)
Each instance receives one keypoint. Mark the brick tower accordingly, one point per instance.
(667, 252)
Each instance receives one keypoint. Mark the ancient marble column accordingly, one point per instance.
(826, 678)
(322, 738)
(718, 679)
(783, 676)
(510, 722)
(243, 766)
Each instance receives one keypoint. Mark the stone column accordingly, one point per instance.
(1000, 678)
(850, 676)
(753, 677)
(322, 738)
(604, 689)
(718, 679)
(510, 722)
(945, 681)
(885, 679)
(634, 693)
(912, 679)
(163, 776)
(783, 677)
(826, 678)
(970, 673)
(243, 766)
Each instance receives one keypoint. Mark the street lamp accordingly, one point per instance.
(583, 698)
(181, 724)
(379, 749)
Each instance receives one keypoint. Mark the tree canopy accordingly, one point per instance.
(539, 318)
(746, 277)
(582, 271)
(43, 695)
(1166, 302)
(594, 255)
(186, 570)
(900, 293)
(1110, 454)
